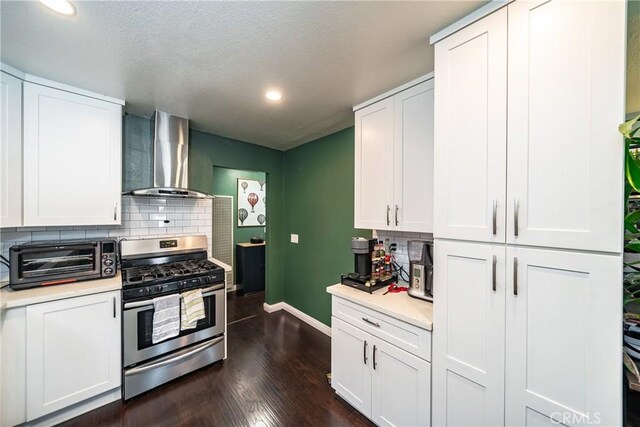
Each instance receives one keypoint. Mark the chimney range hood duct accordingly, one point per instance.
(170, 159)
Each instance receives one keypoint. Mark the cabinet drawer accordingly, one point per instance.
(408, 337)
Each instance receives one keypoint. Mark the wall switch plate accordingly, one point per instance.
(294, 238)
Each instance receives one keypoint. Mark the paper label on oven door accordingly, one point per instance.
(168, 244)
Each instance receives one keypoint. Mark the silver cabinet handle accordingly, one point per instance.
(374, 357)
(115, 211)
(495, 219)
(396, 215)
(167, 361)
(377, 325)
(114, 307)
(365, 352)
(516, 208)
(515, 276)
(493, 273)
(388, 210)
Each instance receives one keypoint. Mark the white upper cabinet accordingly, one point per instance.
(72, 158)
(566, 100)
(394, 161)
(11, 152)
(468, 340)
(563, 338)
(374, 165)
(470, 130)
(413, 159)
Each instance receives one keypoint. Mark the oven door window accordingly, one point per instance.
(54, 263)
(145, 323)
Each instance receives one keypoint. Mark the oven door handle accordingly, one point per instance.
(164, 362)
(205, 293)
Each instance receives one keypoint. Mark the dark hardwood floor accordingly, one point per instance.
(242, 306)
(274, 376)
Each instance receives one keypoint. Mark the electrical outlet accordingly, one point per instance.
(294, 238)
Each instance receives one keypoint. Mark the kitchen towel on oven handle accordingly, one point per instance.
(191, 309)
(166, 318)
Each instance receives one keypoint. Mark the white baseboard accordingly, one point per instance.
(270, 308)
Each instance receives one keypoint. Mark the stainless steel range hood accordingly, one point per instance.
(170, 159)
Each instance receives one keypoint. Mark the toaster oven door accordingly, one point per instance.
(51, 265)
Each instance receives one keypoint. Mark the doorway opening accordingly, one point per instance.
(240, 237)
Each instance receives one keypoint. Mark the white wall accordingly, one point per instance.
(142, 217)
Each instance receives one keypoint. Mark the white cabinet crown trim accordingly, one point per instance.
(475, 16)
(394, 91)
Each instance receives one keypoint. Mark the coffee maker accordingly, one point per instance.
(362, 249)
(420, 269)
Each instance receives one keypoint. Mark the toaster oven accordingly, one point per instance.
(56, 263)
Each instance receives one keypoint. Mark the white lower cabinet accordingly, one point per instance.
(401, 387)
(468, 345)
(387, 384)
(64, 352)
(526, 337)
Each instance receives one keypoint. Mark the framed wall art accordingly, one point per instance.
(252, 203)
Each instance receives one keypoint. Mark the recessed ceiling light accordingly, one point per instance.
(273, 95)
(61, 6)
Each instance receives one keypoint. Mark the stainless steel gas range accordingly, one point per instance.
(158, 267)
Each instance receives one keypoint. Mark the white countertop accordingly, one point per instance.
(398, 305)
(11, 299)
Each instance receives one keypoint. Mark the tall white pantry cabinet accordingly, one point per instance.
(528, 190)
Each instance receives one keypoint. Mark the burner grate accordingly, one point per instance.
(146, 274)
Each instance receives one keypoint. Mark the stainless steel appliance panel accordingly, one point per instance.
(145, 377)
(138, 317)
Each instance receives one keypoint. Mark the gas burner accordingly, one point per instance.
(172, 270)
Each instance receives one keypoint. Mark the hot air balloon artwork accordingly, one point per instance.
(242, 215)
(251, 198)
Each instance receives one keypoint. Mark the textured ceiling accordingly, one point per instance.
(213, 61)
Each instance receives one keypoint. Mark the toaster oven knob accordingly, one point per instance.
(108, 270)
(108, 262)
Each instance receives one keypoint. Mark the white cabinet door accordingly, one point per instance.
(563, 351)
(468, 347)
(401, 392)
(566, 99)
(470, 131)
(350, 364)
(374, 166)
(413, 159)
(73, 351)
(11, 152)
(72, 158)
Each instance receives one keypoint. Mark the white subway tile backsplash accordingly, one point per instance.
(138, 216)
(142, 217)
(45, 235)
(73, 235)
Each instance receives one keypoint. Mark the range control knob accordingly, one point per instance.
(108, 270)
(108, 262)
(159, 288)
(181, 285)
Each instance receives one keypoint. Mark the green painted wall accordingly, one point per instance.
(206, 151)
(318, 200)
(225, 183)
